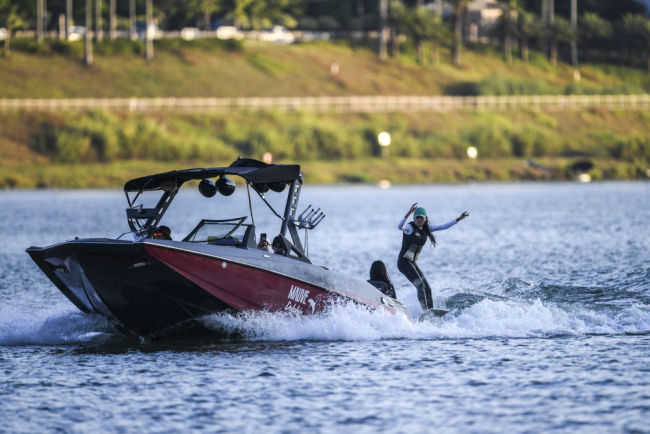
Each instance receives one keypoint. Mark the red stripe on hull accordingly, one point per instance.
(243, 287)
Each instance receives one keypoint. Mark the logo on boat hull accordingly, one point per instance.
(298, 299)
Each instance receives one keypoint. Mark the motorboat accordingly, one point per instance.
(146, 283)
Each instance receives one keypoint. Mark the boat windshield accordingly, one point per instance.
(219, 232)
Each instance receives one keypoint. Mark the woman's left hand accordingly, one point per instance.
(462, 216)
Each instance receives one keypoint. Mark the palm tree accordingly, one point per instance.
(88, 43)
(208, 7)
(459, 7)
(259, 13)
(148, 38)
(509, 6)
(383, 28)
(132, 33)
(528, 26)
(559, 31)
(11, 17)
(99, 32)
(637, 28)
(112, 20)
(423, 25)
(548, 20)
(574, 33)
(593, 29)
(396, 23)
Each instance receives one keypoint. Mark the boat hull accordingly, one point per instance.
(148, 286)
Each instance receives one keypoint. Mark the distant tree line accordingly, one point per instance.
(591, 30)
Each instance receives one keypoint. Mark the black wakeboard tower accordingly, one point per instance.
(261, 176)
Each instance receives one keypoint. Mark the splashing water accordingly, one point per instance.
(61, 325)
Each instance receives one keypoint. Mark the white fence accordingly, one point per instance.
(341, 104)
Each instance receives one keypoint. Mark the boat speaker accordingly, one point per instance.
(207, 188)
(261, 188)
(226, 186)
(278, 187)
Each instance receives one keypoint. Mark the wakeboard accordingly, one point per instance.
(432, 314)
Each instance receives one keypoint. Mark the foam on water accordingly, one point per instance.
(487, 318)
(62, 324)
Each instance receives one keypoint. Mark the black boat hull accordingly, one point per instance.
(145, 287)
(123, 283)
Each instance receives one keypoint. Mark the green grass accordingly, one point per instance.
(101, 148)
(218, 68)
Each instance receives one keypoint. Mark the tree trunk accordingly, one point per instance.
(523, 49)
(6, 49)
(507, 40)
(361, 13)
(112, 21)
(62, 26)
(383, 29)
(132, 33)
(543, 43)
(68, 18)
(39, 20)
(419, 46)
(436, 53)
(551, 22)
(206, 18)
(88, 44)
(98, 21)
(148, 32)
(574, 31)
(553, 54)
(458, 33)
(394, 42)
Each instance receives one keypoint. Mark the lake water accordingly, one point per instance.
(549, 330)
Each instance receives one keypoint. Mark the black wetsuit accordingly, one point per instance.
(406, 263)
(413, 240)
(385, 287)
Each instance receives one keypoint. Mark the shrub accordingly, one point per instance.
(120, 46)
(622, 89)
(66, 48)
(328, 143)
(637, 147)
(406, 145)
(232, 45)
(497, 85)
(533, 141)
(71, 147)
(29, 45)
(490, 139)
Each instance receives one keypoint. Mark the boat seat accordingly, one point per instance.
(228, 241)
(247, 242)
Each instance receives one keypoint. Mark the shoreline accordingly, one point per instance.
(396, 171)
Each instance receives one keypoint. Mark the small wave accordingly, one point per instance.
(59, 325)
(486, 318)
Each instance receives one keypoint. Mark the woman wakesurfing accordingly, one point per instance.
(414, 237)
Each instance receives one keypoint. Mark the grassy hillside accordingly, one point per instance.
(97, 148)
(212, 68)
(104, 149)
